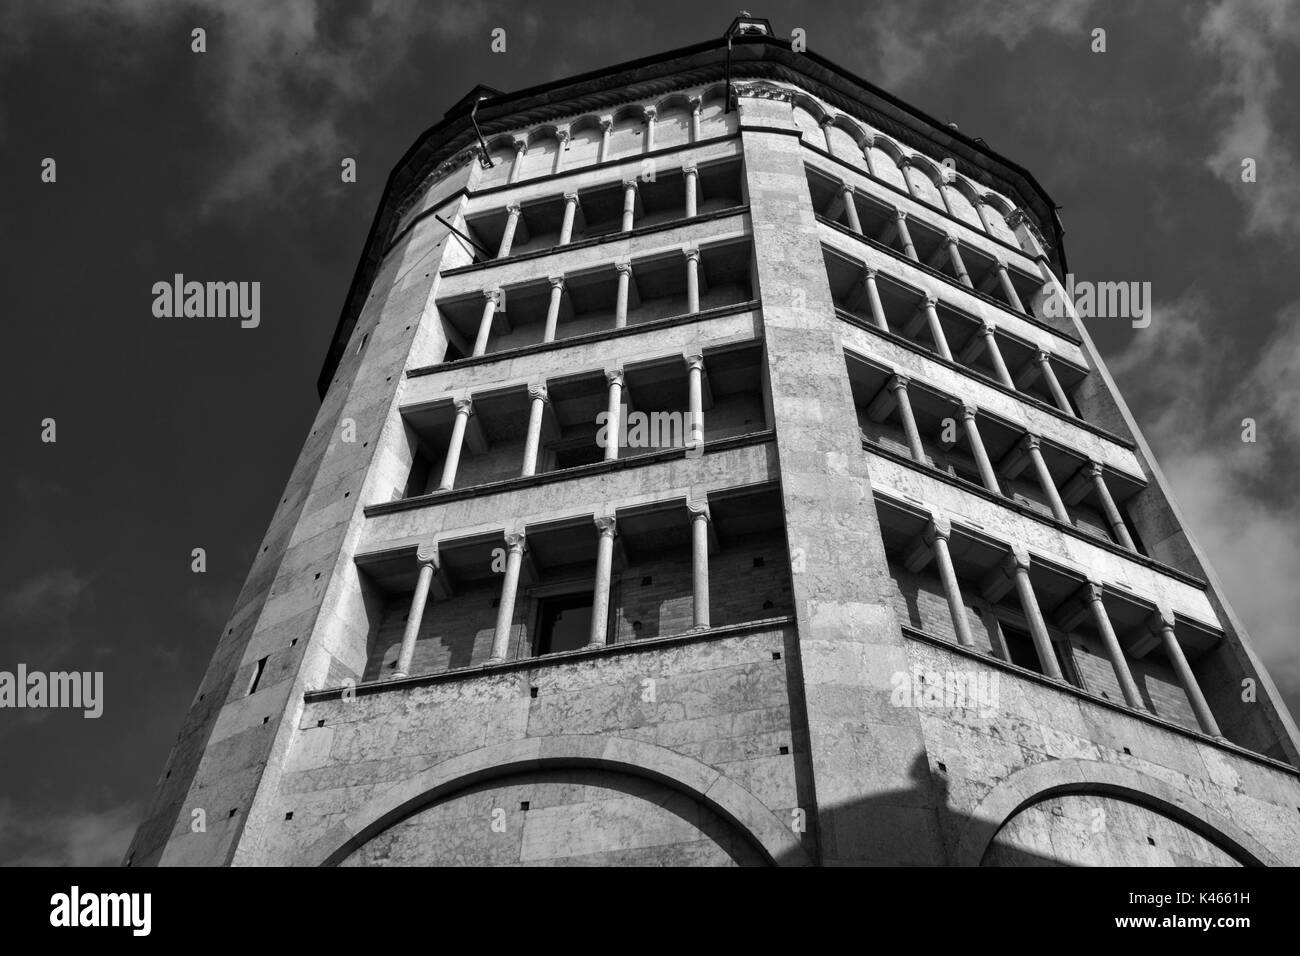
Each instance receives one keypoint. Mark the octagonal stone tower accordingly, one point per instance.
(711, 470)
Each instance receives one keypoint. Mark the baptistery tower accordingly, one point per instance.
(711, 469)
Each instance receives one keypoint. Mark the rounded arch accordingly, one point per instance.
(996, 211)
(885, 161)
(762, 826)
(673, 121)
(543, 150)
(1031, 785)
(846, 139)
(584, 141)
(963, 200)
(925, 178)
(501, 150)
(714, 119)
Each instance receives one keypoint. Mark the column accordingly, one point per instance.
(517, 167)
(1016, 566)
(697, 107)
(604, 568)
(850, 208)
(1162, 623)
(989, 476)
(982, 208)
(692, 174)
(427, 557)
(898, 384)
(650, 115)
(536, 412)
(958, 266)
(492, 299)
(606, 126)
(905, 236)
(1030, 443)
(1004, 277)
(509, 589)
(1053, 383)
(936, 330)
(1108, 506)
(867, 142)
(570, 209)
(624, 270)
(989, 331)
(692, 254)
(873, 298)
(695, 373)
(629, 203)
(464, 409)
(1113, 650)
(826, 125)
(936, 536)
(508, 237)
(553, 308)
(903, 165)
(700, 518)
(562, 137)
(613, 420)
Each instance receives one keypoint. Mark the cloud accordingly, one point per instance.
(935, 31)
(1247, 37)
(70, 838)
(1235, 496)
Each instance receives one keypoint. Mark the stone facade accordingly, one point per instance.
(701, 478)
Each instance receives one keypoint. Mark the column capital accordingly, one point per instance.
(464, 406)
(492, 295)
(1095, 590)
(1161, 618)
(607, 526)
(515, 541)
(897, 381)
(1042, 355)
(867, 141)
(651, 112)
(695, 360)
(1000, 265)
(900, 214)
(696, 103)
(691, 252)
(1016, 560)
(563, 134)
(427, 553)
(557, 282)
(869, 272)
(937, 527)
(988, 328)
(930, 302)
(1093, 469)
(520, 145)
(699, 509)
(606, 124)
(904, 162)
(513, 209)
(630, 184)
(955, 240)
(690, 169)
(571, 197)
(614, 376)
(539, 391)
(623, 266)
(826, 121)
(1029, 442)
(846, 187)
(968, 411)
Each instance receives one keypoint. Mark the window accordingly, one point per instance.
(563, 623)
(582, 452)
(1020, 648)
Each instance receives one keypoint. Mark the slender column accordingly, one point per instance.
(1162, 623)
(692, 174)
(899, 383)
(464, 408)
(1005, 278)
(650, 115)
(873, 298)
(517, 167)
(613, 420)
(509, 589)
(936, 536)
(1113, 650)
(903, 165)
(1108, 506)
(1031, 445)
(982, 208)
(629, 203)
(697, 107)
(851, 208)
(865, 146)
(989, 476)
(936, 330)
(606, 126)
(562, 146)
(1053, 383)
(905, 235)
(570, 209)
(700, 518)
(604, 569)
(553, 308)
(533, 441)
(692, 254)
(427, 558)
(1016, 566)
(954, 256)
(492, 299)
(508, 237)
(1000, 369)
(624, 270)
(695, 389)
(826, 125)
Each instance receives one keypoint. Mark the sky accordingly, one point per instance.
(175, 434)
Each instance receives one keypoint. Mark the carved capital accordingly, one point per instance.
(539, 392)
(513, 209)
(607, 526)
(515, 542)
(690, 169)
(557, 282)
(629, 184)
(968, 411)
(464, 406)
(493, 296)
(899, 382)
(1030, 442)
(699, 510)
(938, 527)
(695, 361)
(427, 553)
(930, 302)
(571, 197)
(691, 252)
(869, 273)
(623, 266)
(1017, 560)
(606, 124)
(651, 113)
(614, 376)
(900, 215)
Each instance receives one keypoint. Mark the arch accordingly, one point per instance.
(996, 211)
(885, 159)
(768, 832)
(673, 121)
(714, 121)
(584, 142)
(627, 136)
(846, 141)
(543, 149)
(808, 117)
(963, 200)
(1029, 786)
(501, 149)
(925, 179)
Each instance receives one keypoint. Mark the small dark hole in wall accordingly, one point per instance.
(167, 775)
(496, 602)
(1127, 751)
(317, 575)
(289, 815)
(943, 767)
(785, 750)
(1151, 841)
(293, 642)
(523, 805)
(758, 562)
(776, 655)
(320, 723)
(532, 692)
(347, 494)
(768, 605)
(266, 720)
(646, 581)
(234, 811)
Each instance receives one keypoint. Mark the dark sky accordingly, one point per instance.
(175, 434)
